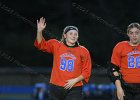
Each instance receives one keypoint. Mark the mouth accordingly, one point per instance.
(73, 39)
(135, 39)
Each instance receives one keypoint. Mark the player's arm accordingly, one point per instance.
(114, 67)
(40, 27)
(86, 67)
(120, 92)
(113, 73)
(114, 70)
(115, 77)
(40, 43)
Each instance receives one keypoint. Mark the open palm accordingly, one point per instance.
(41, 24)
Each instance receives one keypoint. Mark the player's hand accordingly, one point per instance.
(70, 83)
(41, 24)
(120, 94)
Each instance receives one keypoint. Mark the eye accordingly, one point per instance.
(70, 33)
(130, 33)
(75, 34)
(137, 32)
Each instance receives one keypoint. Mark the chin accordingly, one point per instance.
(72, 42)
(135, 42)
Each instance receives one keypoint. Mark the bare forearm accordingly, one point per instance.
(118, 84)
(79, 78)
(120, 92)
(39, 36)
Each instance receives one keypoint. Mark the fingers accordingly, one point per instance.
(68, 86)
(41, 21)
(121, 97)
(123, 94)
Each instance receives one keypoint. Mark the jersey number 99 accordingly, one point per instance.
(66, 64)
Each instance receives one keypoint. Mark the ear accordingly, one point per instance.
(128, 34)
(65, 35)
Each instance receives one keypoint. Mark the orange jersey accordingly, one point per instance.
(68, 62)
(127, 58)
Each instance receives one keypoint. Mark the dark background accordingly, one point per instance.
(17, 35)
(102, 24)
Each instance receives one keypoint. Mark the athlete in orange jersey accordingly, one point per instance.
(71, 66)
(126, 57)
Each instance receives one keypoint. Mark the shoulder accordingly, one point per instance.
(53, 41)
(84, 49)
(121, 44)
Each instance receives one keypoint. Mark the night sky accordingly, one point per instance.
(101, 23)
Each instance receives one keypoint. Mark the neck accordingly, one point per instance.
(133, 44)
(70, 44)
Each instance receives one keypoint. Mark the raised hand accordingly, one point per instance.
(41, 25)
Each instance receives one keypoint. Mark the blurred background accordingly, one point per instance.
(24, 70)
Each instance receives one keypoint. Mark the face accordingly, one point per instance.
(71, 37)
(134, 36)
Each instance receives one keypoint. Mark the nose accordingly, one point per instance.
(135, 34)
(73, 36)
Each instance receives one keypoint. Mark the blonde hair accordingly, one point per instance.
(66, 29)
(133, 25)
